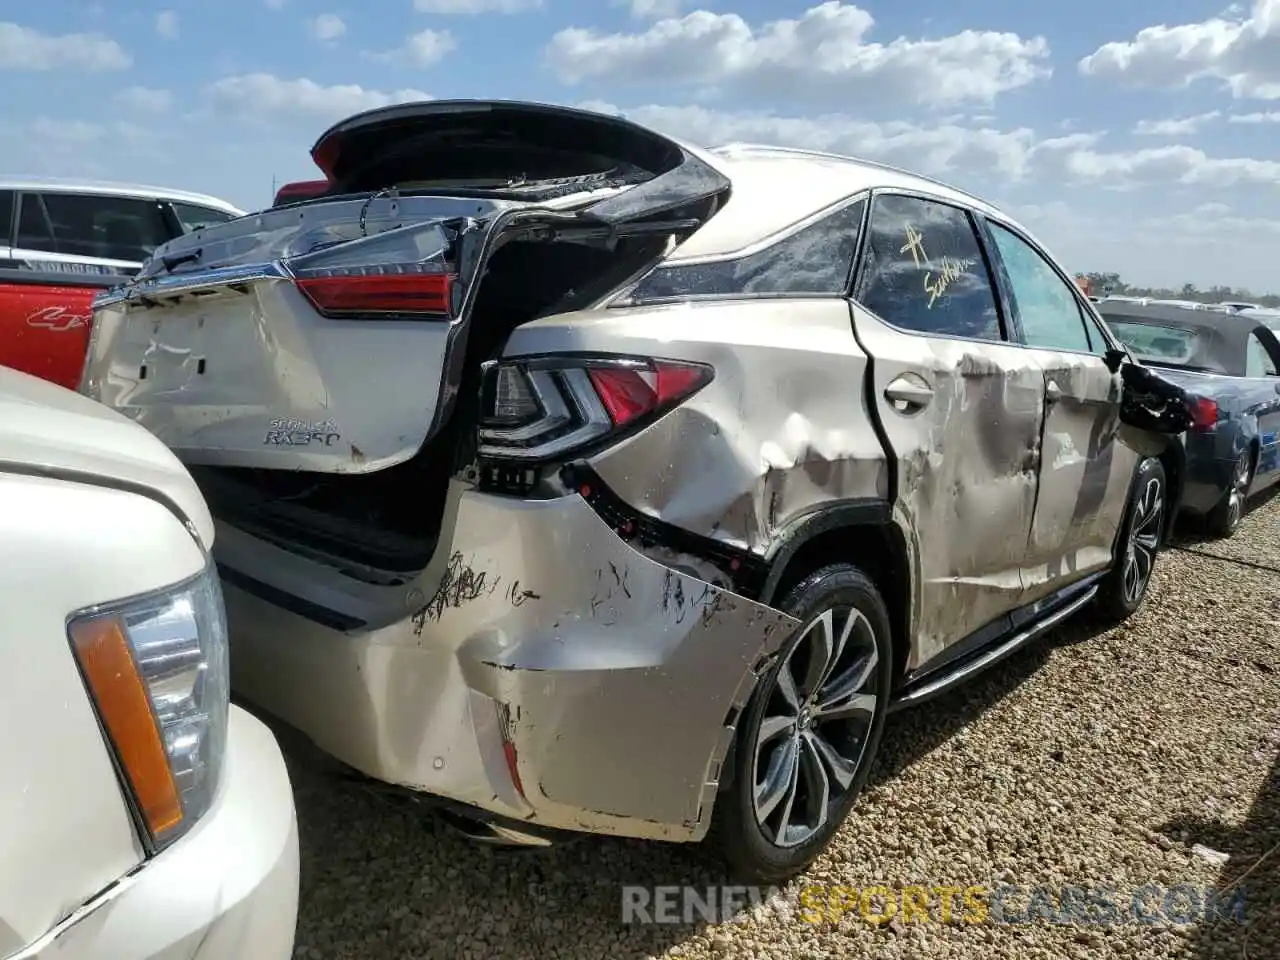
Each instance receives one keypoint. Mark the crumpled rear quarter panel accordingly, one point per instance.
(782, 428)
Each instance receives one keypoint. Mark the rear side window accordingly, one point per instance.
(1258, 362)
(192, 216)
(924, 270)
(34, 232)
(815, 260)
(113, 228)
(6, 217)
(1048, 311)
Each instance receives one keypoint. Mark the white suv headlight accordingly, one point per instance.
(156, 668)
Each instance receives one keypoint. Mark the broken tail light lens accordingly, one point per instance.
(543, 408)
(1204, 413)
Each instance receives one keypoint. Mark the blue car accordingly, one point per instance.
(1229, 364)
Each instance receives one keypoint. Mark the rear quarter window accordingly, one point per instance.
(815, 260)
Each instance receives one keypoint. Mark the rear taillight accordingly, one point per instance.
(543, 408)
(1204, 413)
(407, 290)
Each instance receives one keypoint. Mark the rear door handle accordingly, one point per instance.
(1052, 392)
(908, 393)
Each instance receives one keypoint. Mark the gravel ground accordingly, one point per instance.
(1090, 759)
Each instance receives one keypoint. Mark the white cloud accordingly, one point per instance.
(931, 149)
(1176, 163)
(144, 100)
(167, 24)
(421, 49)
(961, 149)
(1271, 116)
(1241, 52)
(1177, 127)
(823, 55)
(470, 7)
(264, 96)
(22, 48)
(327, 26)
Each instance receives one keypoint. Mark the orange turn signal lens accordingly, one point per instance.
(125, 708)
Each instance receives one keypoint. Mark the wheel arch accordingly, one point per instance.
(861, 532)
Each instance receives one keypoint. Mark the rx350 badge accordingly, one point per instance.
(288, 432)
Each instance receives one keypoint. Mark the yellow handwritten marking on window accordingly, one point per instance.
(951, 271)
(914, 245)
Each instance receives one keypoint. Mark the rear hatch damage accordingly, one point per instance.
(296, 350)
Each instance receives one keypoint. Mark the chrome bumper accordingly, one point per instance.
(555, 675)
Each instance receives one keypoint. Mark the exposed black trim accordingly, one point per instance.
(287, 601)
(833, 515)
(745, 569)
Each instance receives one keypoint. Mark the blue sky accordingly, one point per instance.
(1141, 137)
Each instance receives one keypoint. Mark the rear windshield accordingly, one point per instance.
(1169, 344)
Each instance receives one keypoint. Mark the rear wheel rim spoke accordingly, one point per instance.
(817, 717)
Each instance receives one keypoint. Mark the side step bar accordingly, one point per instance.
(913, 695)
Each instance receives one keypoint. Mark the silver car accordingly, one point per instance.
(592, 481)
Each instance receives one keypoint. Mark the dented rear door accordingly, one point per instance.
(961, 409)
(1084, 468)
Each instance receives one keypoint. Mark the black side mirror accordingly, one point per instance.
(1114, 359)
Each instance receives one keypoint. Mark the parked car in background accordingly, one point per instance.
(61, 243)
(1237, 305)
(590, 481)
(88, 227)
(141, 816)
(1229, 362)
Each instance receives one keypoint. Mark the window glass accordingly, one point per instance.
(33, 228)
(815, 260)
(6, 217)
(1164, 343)
(114, 228)
(191, 216)
(924, 271)
(1046, 304)
(1258, 363)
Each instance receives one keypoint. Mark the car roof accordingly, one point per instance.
(776, 188)
(1166, 312)
(112, 188)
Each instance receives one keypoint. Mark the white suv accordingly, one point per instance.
(95, 227)
(141, 815)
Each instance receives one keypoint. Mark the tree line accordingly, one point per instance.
(1103, 283)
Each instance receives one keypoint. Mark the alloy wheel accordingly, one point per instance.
(815, 726)
(1239, 487)
(1144, 539)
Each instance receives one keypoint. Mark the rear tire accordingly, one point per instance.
(1224, 519)
(811, 730)
(1141, 537)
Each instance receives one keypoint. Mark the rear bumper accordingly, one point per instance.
(226, 891)
(556, 676)
(1208, 480)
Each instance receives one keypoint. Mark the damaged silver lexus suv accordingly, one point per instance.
(593, 482)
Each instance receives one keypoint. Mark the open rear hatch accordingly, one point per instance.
(334, 335)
